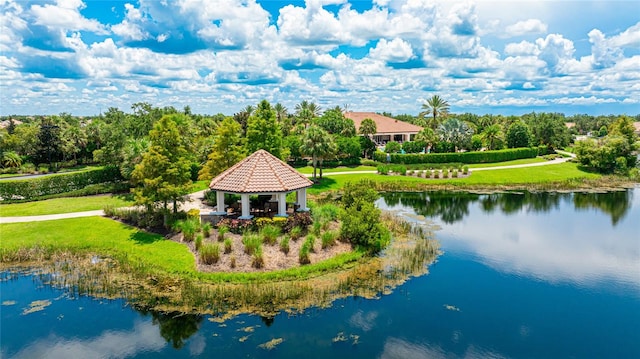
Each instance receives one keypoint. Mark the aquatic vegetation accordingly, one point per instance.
(36, 306)
(271, 344)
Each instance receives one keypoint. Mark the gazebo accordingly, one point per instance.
(261, 174)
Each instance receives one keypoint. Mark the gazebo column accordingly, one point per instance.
(244, 199)
(282, 204)
(301, 198)
(220, 203)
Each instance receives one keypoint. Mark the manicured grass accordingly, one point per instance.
(62, 205)
(499, 177)
(309, 169)
(101, 236)
(508, 163)
(199, 186)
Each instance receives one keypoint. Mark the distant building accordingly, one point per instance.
(388, 129)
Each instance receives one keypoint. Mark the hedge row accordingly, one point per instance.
(460, 157)
(30, 189)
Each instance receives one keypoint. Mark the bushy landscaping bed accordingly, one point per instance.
(459, 157)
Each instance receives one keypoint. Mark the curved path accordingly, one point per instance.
(194, 200)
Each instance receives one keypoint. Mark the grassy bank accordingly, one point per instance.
(62, 205)
(156, 273)
(561, 176)
(133, 247)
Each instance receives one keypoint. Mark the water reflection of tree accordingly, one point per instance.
(615, 204)
(175, 327)
(452, 207)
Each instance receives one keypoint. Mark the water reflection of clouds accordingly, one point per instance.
(111, 344)
(363, 321)
(581, 249)
(403, 349)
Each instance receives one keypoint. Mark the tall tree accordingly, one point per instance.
(334, 122)
(318, 144)
(263, 130)
(164, 172)
(368, 127)
(228, 149)
(518, 135)
(437, 107)
(49, 147)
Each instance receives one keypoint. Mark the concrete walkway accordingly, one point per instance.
(194, 200)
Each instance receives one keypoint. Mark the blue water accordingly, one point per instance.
(519, 280)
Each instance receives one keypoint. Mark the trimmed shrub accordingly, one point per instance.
(193, 213)
(454, 174)
(461, 157)
(237, 226)
(298, 219)
(210, 253)
(465, 170)
(382, 169)
(30, 189)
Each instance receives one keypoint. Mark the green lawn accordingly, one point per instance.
(309, 169)
(509, 176)
(102, 236)
(62, 205)
(199, 186)
(508, 163)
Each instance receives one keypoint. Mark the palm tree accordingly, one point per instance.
(281, 112)
(306, 111)
(318, 144)
(455, 132)
(436, 106)
(11, 159)
(491, 135)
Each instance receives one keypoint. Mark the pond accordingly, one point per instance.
(544, 275)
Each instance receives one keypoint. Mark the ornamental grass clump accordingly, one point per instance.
(210, 253)
(206, 229)
(465, 170)
(284, 245)
(328, 239)
(251, 243)
(228, 245)
(270, 234)
(303, 256)
(188, 227)
(310, 240)
(257, 259)
(296, 233)
(222, 230)
(198, 242)
(454, 174)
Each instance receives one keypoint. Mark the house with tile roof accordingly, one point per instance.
(388, 129)
(261, 173)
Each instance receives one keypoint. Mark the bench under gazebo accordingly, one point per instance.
(261, 174)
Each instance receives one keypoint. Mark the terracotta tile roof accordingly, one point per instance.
(384, 124)
(261, 172)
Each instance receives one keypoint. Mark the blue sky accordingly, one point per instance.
(508, 57)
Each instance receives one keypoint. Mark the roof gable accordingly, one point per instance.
(261, 172)
(384, 124)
